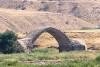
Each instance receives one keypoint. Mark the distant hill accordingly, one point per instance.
(25, 21)
(87, 10)
(67, 14)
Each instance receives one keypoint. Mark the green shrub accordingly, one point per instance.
(8, 43)
(98, 59)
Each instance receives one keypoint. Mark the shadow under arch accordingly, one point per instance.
(63, 41)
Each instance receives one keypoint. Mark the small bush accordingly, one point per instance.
(8, 43)
(44, 7)
(85, 28)
(98, 59)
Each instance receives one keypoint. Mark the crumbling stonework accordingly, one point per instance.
(65, 44)
(79, 45)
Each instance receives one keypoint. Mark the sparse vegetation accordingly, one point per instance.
(50, 58)
(44, 7)
(85, 28)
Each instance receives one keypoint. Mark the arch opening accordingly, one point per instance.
(46, 40)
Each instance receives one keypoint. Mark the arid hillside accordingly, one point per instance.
(87, 10)
(26, 21)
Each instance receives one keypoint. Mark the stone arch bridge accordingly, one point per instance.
(65, 44)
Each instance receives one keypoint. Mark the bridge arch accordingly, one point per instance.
(63, 41)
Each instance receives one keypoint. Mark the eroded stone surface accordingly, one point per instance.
(65, 44)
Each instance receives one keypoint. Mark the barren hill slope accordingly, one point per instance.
(88, 10)
(25, 21)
